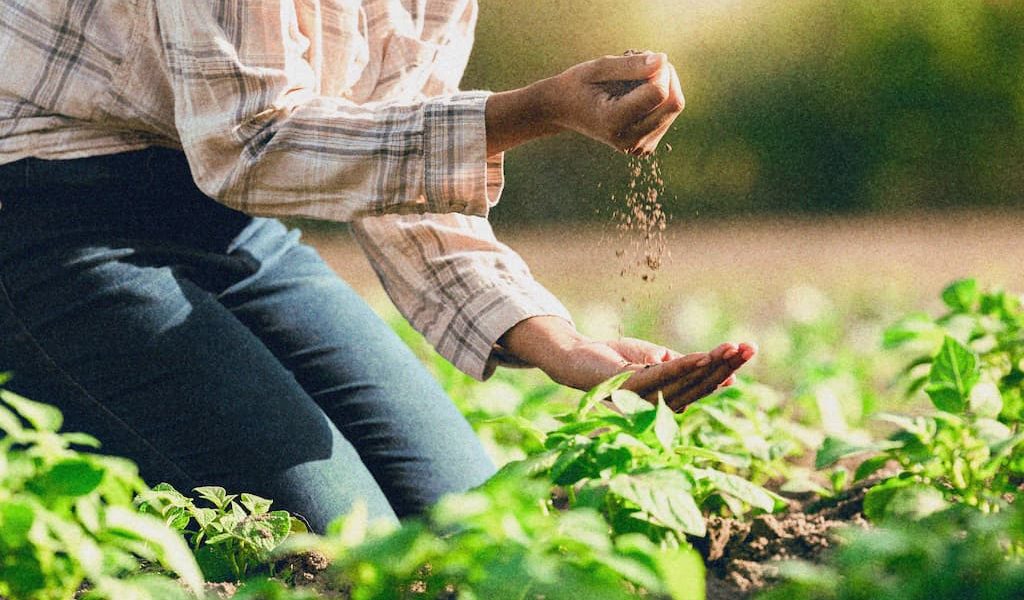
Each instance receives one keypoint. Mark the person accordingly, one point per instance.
(149, 291)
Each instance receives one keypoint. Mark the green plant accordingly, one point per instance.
(502, 541)
(950, 555)
(633, 465)
(970, 449)
(504, 412)
(989, 326)
(746, 426)
(66, 517)
(232, 538)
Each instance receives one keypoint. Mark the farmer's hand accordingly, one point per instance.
(572, 359)
(586, 99)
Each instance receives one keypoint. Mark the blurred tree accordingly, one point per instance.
(806, 105)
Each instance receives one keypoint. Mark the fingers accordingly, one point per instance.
(681, 394)
(689, 378)
(643, 103)
(642, 352)
(689, 368)
(625, 68)
(651, 128)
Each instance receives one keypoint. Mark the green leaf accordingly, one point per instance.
(203, 516)
(954, 373)
(914, 502)
(739, 488)
(739, 462)
(913, 327)
(665, 427)
(641, 422)
(215, 495)
(629, 402)
(81, 439)
(682, 570)
(16, 520)
(665, 496)
(41, 416)
(962, 295)
(563, 471)
(69, 477)
(985, 400)
(168, 547)
(870, 466)
(215, 564)
(600, 392)
(999, 451)
(140, 587)
(279, 524)
(531, 466)
(991, 431)
(10, 423)
(255, 504)
(834, 449)
(23, 575)
(220, 538)
(902, 499)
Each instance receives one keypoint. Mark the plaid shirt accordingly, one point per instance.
(345, 110)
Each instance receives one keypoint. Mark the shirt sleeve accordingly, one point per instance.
(261, 138)
(455, 283)
(448, 274)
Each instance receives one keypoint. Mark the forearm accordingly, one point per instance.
(553, 345)
(518, 116)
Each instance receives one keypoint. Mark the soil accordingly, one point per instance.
(743, 557)
(643, 221)
(309, 569)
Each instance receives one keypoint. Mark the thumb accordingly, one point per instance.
(626, 68)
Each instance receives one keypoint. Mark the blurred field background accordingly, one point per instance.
(820, 106)
(837, 164)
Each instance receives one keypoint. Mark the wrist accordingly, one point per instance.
(518, 116)
(549, 99)
(542, 341)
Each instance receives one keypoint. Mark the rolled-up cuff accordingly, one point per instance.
(458, 175)
(507, 309)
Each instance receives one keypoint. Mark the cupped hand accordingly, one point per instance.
(633, 122)
(572, 359)
(681, 379)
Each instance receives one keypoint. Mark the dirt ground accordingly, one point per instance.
(758, 258)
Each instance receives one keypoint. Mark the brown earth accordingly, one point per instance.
(743, 556)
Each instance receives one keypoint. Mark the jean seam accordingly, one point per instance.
(77, 386)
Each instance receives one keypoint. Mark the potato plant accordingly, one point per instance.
(232, 538)
(67, 521)
(630, 461)
(502, 541)
(971, 448)
(599, 494)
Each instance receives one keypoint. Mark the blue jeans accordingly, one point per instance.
(214, 348)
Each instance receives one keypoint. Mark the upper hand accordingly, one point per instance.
(633, 122)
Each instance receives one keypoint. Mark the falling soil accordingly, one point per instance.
(642, 222)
